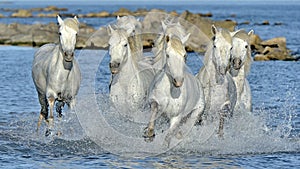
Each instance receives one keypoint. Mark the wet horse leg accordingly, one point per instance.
(44, 110)
(59, 106)
(149, 130)
(51, 101)
(174, 126)
(225, 110)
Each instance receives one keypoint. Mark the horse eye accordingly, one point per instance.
(246, 46)
(59, 33)
(231, 48)
(214, 46)
(125, 45)
(167, 56)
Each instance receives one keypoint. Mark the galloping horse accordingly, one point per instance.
(131, 75)
(218, 85)
(55, 72)
(240, 67)
(174, 91)
(169, 28)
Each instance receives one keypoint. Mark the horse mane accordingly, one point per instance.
(134, 47)
(177, 45)
(226, 34)
(72, 23)
(208, 53)
(175, 29)
(242, 34)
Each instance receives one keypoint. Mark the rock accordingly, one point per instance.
(174, 13)
(272, 49)
(122, 12)
(38, 34)
(201, 30)
(100, 14)
(278, 23)
(54, 8)
(206, 14)
(22, 13)
(245, 23)
(265, 22)
(260, 57)
(48, 15)
(141, 12)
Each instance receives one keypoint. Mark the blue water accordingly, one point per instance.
(267, 138)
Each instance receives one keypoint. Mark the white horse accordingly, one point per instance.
(56, 73)
(131, 74)
(174, 91)
(169, 28)
(133, 28)
(239, 68)
(219, 88)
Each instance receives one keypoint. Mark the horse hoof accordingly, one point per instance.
(149, 134)
(48, 132)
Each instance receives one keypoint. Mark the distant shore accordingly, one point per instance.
(40, 34)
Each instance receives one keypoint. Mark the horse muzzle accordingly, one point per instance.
(237, 63)
(68, 56)
(114, 67)
(178, 82)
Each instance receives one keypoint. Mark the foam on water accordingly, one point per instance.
(261, 131)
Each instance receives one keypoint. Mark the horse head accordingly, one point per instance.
(175, 58)
(118, 44)
(129, 23)
(222, 47)
(241, 50)
(68, 30)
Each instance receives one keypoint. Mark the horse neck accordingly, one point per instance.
(159, 56)
(130, 64)
(60, 62)
(209, 65)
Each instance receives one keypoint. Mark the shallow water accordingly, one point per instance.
(266, 138)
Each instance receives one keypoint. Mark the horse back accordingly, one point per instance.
(42, 58)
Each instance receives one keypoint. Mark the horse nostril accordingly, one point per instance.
(65, 53)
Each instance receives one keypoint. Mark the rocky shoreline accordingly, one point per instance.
(88, 37)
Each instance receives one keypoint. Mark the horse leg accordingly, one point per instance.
(59, 106)
(225, 110)
(149, 130)
(174, 124)
(51, 101)
(44, 110)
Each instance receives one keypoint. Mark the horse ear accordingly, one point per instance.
(118, 17)
(75, 17)
(214, 29)
(59, 20)
(164, 26)
(186, 38)
(251, 32)
(110, 30)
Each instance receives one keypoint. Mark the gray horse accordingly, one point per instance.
(239, 68)
(218, 85)
(55, 72)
